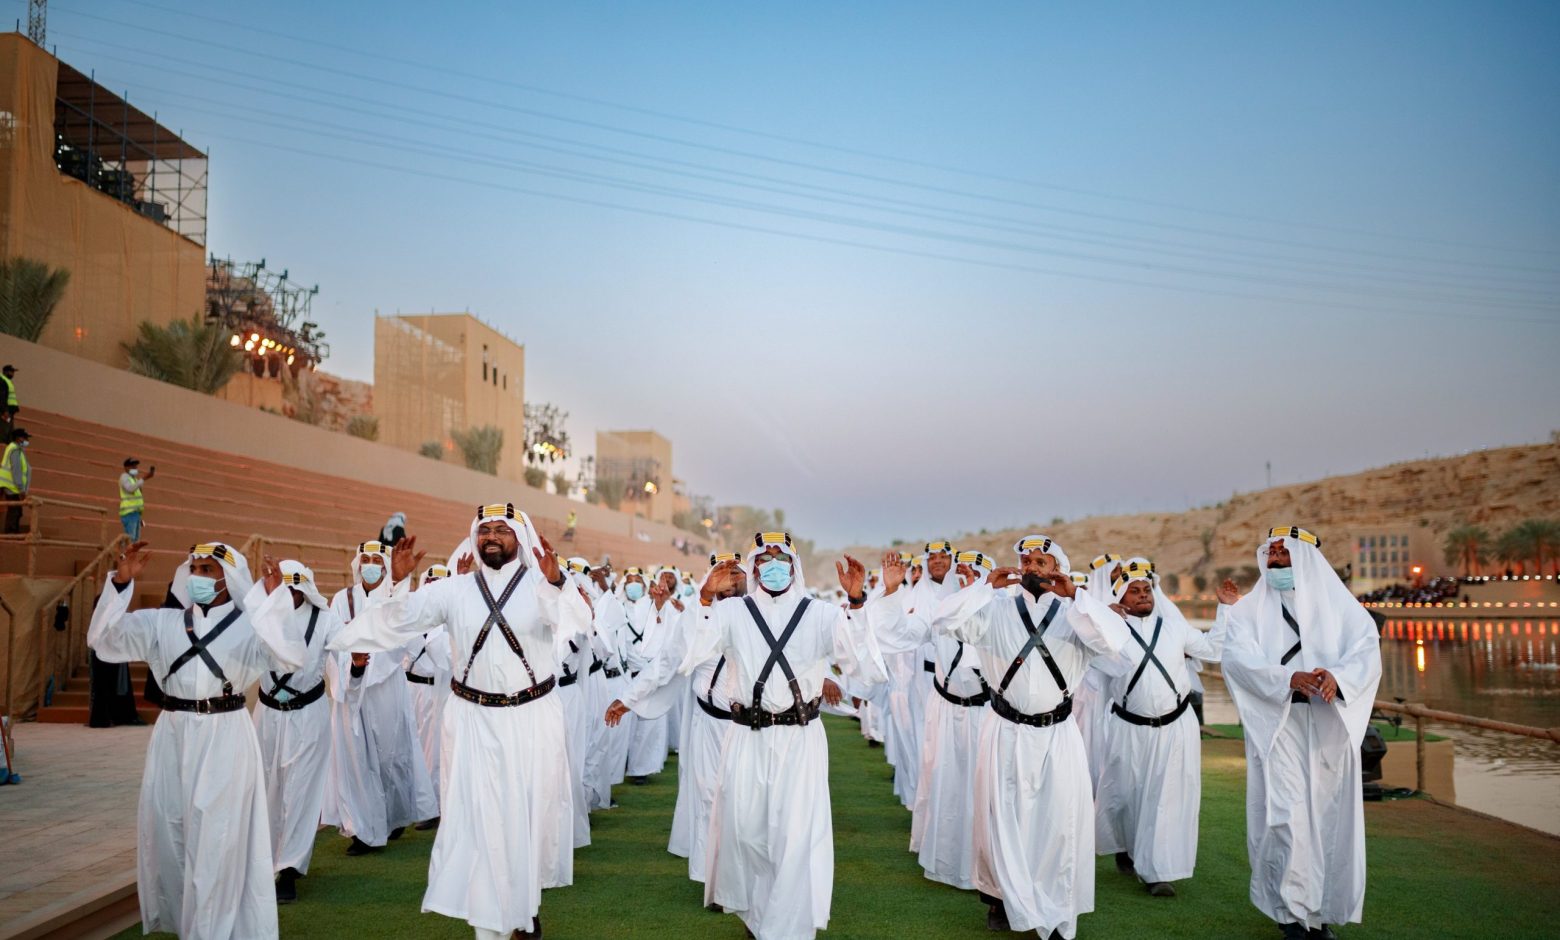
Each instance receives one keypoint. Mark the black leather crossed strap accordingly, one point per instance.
(801, 712)
(707, 701)
(282, 683)
(1035, 643)
(980, 698)
(198, 647)
(569, 676)
(1294, 625)
(495, 617)
(1120, 709)
(414, 677)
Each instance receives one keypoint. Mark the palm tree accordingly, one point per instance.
(1468, 546)
(1542, 539)
(190, 353)
(1511, 550)
(480, 447)
(29, 292)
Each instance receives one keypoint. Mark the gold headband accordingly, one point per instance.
(436, 573)
(215, 550)
(719, 557)
(1032, 542)
(496, 511)
(942, 545)
(976, 558)
(371, 548)
(1294, 532)
(762, 539)
(295, 578)
(1103, 560)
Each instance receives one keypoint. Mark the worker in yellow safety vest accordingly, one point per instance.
(15, 478)
(12, 406)
(132, 501)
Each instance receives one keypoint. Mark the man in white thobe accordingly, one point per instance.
(1150, 781)
(649, 620)
(378, 782)
(508, 823)
(292, 723)
(426, 662)
(1302, 660)
(574, 661)
(203, 853)
(608, 757)
(1091, 706)
(772, 853)
(1034, 818)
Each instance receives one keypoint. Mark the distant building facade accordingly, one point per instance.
(641, 461)
(1388, 554)
(435, 374)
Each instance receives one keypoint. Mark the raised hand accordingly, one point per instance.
(1002, 577)
(271, 574)
(894, 571)
(1120, 610)
(853, 576)
(721, 581)
(1227, 592)
(967, 575)
(466, 564)
(658, 594)
(1063, 586)
(547, 561)
(132, 561)
(405, 559)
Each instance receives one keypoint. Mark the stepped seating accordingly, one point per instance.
(201, 495)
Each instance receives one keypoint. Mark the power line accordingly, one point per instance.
(766, 135)
(676, 141)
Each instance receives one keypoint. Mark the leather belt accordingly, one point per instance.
(502, 699)
(1043, 720)
(757, 718)
(719, 714)
(973, 701)
(294, 703)
(928, 666)
(1146, 721)
(596, 666)
(203, 706)
(420, 680)
(612, 673)
(568, 678)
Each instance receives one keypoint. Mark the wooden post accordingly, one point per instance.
(1419, 752)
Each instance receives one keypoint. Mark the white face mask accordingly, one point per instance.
(134, 472)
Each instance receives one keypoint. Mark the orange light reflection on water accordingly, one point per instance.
(1419, 655)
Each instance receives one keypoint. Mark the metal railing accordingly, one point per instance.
(34, 538)
(1421, 714)
(257, 546)
(8, 732)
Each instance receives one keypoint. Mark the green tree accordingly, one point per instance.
(480, 447)
(1541, 538)
(535, 477)
(433, 450)
(610, 491)
(561, 483)
(29, 292)
(1512, 551)
(1173, 583)
(1200, 582)
(189, 353)
(1467, 547)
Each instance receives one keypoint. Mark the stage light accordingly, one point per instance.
(249, 346)
(651, 488)
(235, 340)
(254, 337)
(289, 359)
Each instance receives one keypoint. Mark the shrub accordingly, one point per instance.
(364, 426)
(433, 450)
(480, 447)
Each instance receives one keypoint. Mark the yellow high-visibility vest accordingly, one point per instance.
(10, 391)
(6, 480)
(131, 501)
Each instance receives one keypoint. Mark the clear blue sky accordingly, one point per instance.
(911, 269)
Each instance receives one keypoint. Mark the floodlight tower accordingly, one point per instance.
(37, 20)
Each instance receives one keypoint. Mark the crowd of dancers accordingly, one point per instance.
(1035, 716)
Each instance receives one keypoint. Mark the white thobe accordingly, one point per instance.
(295, 744)
(772, 857)
(428, 657)
(608, 756)
(648, 742)
(1034, 820)
(1305, 812)
(507, 828)
(378, 780)
(574, 659)
(1150, 779)
(203, 854)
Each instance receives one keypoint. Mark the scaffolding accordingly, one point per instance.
(123, 153)
(268, 314)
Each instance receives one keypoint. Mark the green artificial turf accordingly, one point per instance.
(1389, 732)
(1435, 872)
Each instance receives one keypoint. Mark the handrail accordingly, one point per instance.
(47, 652)
(34, 539)
(1421, 714)
(8, 732)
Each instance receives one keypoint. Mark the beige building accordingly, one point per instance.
(438, 373)
(1389, 554)
(642, 462)
(90, 184)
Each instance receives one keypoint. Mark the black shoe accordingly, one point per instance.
(1161, 889)
(397, 833)
(872, 743)
(714, 908)
(639, 781)
(1124, 864)
(996, 918)
(427, 824)
(533, 934)
(1294, 932)
(1323, 932)
(287, 886)
(359, 847)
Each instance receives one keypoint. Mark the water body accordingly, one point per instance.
(1506, 670)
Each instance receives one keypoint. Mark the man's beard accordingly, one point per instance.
(1145, 611)
(498, 559)
(1034, 584)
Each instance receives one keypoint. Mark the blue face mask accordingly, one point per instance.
(372, 573)
(634, 591)
(775, 575)
(687, 590)
(203, 590)
(1282, 579)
